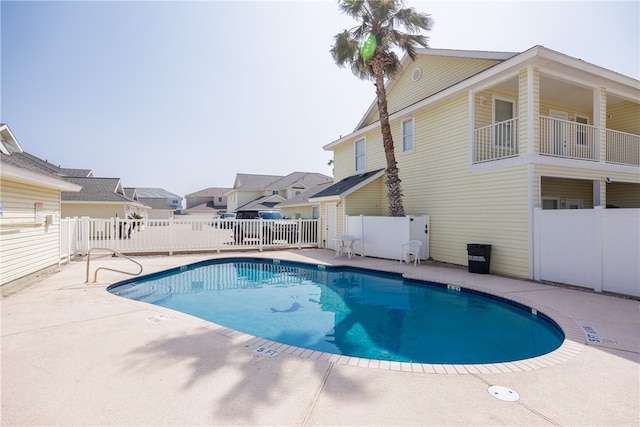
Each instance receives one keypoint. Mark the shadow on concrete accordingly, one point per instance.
(242, 389)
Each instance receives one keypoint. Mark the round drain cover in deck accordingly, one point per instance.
(503, 393)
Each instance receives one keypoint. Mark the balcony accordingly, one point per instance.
(557, 138)
(571, 140)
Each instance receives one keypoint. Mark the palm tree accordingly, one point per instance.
(383, 19)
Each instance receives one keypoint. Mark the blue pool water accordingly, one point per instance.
(350, 311)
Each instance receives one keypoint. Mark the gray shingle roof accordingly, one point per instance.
(263, 203)
(211, 192)
(347, 184)
(96, 190)
(155, 193)
(29, 162)
(303, 198)
(250, 182)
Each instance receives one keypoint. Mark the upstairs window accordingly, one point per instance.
(407, 136)
(360, 155)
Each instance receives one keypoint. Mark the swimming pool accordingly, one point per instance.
(350, 311)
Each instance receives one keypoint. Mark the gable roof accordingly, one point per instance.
(8, 143)
(21, 168)
(79, 173)
(263, 203)
(249, 182)
(347, 186)
(97, 190)
(210, 192)
(206, 206)
(538, 56)
(305, 179)
(450, 53)
(155, 193)
(303, 198)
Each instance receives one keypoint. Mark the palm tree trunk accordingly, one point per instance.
(394, 191)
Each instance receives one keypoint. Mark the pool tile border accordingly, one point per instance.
(572, 345)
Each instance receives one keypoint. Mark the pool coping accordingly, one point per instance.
(572, 345)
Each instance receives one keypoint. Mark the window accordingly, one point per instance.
(360, 155)
(574, 203)
(504, 125)
(219, 199)
(550, 203)
(407, 135)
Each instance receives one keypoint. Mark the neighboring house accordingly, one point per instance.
(208, 202)
(162, 203)
(483, 138)
(268, 191)
(29, 213)
(100, 198)
(300, 207)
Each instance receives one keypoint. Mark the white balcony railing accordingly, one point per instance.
(562, 138)
(496, 141)
(623, 148)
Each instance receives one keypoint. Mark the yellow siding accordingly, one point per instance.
(545, 106)
(588, 176)
(483, 207)
(369, 200)
(564, 188)
(343, 163)
(27, 246)
(438, 73)
(623, 195)
(93, 210)
(624, 117)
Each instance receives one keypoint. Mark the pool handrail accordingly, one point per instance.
(115, 253)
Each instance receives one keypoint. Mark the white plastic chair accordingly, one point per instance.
(412, 247)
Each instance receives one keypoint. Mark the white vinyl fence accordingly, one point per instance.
(130, 236)
(383, 236)
(593, 248)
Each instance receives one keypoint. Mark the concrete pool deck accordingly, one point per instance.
(74, 354)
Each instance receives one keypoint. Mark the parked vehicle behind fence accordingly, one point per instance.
(268, 228)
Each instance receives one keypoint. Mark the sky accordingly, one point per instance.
(185, 95)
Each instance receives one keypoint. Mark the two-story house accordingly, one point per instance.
(483, 138)
(268, 191)
(208, 202)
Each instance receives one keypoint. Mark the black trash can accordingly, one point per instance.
(479, 257)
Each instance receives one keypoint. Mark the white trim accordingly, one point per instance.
(413, 134)
(538, 56)
(14, 173)
(538, 159)
(530, 108)
(514, 114)
(355, 155)
(472, 114)
(555, 199)
(472, 54)
(337, 197)
(530, 219)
